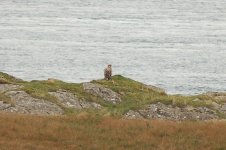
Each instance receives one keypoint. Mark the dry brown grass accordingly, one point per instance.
(96, 133)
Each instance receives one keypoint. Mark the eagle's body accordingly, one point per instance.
(108, 72)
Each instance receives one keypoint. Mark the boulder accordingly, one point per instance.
(133, 115)
(189, 108)
(26, 104)
(168, 112)
(8, 87)
(223, 108)
(4, 106)
(105, 93)
(70, 100)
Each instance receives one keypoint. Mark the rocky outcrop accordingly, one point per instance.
(70, 100)
(105, 93)
(26, 104)
(13, 99)
(168, 112)
(219, 102)
(4, 106)
(8, 87)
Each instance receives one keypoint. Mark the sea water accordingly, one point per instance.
(179, 45)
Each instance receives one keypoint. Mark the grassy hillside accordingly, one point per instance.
(107, 133)
(104, 129)
(135, 95)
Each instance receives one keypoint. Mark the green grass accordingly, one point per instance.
(10, 78)
(6, 99)
(41, 89)
(134, 95)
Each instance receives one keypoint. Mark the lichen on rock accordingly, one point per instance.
(105, 93)
(26, 104)
(169, 112)
(69, 100)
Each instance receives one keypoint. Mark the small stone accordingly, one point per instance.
(9, 87)
(132, 115)
(223, 107)
(189, 108)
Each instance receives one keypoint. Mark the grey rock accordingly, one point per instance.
(105, 93)
(67, 99)
(4, 106)
(223, 107)
(85, 104)
(204, 110)
(133, 115)
(70, 100)
(190, 108)
(8, 87)
(168, 112)
(26, 104)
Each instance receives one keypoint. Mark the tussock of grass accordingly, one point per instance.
(9, 78)
(6, 99)
(91, 132)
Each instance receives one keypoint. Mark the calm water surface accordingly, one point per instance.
(179, 45)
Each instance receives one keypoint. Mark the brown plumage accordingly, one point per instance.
(108, 72)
